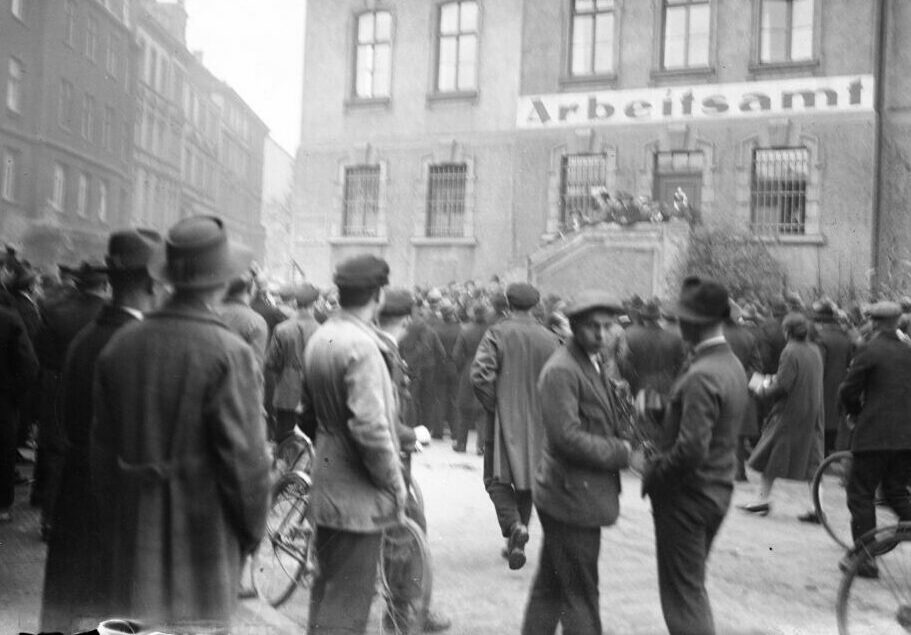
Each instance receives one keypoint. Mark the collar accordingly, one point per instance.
(712, 341)
(134, 313)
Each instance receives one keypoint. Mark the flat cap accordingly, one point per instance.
(434, 295)
(702, 301)
(522, 295)
(591, 300)
(885, 310)
(397, 302)
(362, 272)
(305, 294)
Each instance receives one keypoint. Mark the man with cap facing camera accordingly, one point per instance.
(77, 560)
(875, 390)
(358, 487)
(285, 360)
(691, 478)
(178, 445)
(577, 483)
(505, 376)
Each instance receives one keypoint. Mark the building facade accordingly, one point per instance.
(65, 126)
(278, 212)
(465, 138)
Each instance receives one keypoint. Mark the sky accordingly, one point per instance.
(256, 46)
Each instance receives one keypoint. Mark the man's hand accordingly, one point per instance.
(422, 435)
(637, 461)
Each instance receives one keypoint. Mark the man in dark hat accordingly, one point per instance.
(836, 349)
(446, 377)
(235, 311)
(285, 360)
(650, 357)
(78, 562)
(691, 478)
(358, 487)
(875, 390)
(505, 377)
(423, 352)
(178, 447)
(576, 491)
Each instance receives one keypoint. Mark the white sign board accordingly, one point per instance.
(806, 95)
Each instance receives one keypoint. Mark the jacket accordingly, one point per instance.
(836, 348)
(577, 480)
(285, 359)
(650, 357)
(247, 323)
(357, 478)
(18, 364)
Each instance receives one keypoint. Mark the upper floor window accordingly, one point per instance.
(685, 42)
(786, 31)
(107, 129)
(102, 201)
(778, 191)
(17, 8)
(457, 63)
(65, 105)
(592, 41)
(91, 38)
(362, 200)
(58, 193)
(88, 118)
(374, 52)
(10, 171)
(14, 85)
(69, 25)
(112, 60)
(446, 200)
(82, 197)
(581, 174)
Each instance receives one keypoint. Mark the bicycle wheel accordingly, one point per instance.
(406, 577)
(284, 558)
(880, 605)
(294, 454)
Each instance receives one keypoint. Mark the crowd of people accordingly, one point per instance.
(157, 376)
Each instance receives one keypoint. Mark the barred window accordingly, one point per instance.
(592, 38)
(374, 52)
(786, 31)
(686, 34)
(458, 46)
(446, 200)
(778, 195)
(580, 175)
(362, 195)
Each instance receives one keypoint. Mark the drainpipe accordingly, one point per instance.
(879, 98)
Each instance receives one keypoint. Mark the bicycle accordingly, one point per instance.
(880, 604)
(294, 453)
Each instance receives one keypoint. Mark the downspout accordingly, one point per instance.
(879, 98)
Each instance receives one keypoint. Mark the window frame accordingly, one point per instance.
(777, 230)
(571, 78)
(661, 40)
(65, 103)
(563, 218)
(69, 25)
(87, 124)
(456, 229)
(438, 36)
(91, 39)
(758, 66)
(112, 57)
(15, 85)
(58, 188)
(101, 207)
(82, 195)
(356, 44)
(367, 230)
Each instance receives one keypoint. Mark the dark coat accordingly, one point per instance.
(791, 443)
(78, 561)
(877, 389)
(700, 429)
(746, 349)
(18, 363)
(62, 321)
(178, 452)
(650, 357)
(771, 343)
(836, 349)
(463, 354)
(285, 359)
(577, 480)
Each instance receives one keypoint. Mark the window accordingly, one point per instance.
(107, 129)
(685, 42)
(458, 47)
(592, 48)
(88, 118)
(10, 174)
(374, 52)
(786, 31)
(65, 105)
(125, 141)
(17, 9)
(102, 201)
(91, 38)
(446, 200)
(580, 174)
(778, 194)
(164, 84)
(361, 206)
(14, 85)
(152, 70)
(58, 196)
(82, 194)
(678, 162)
(69, 25)
(112, 61)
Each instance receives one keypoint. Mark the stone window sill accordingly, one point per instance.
(571, 82)
(358, 103)
(764, 68)
(424, 241)
(358, 240)
(702, 73)
(794, 239)
(455, 96)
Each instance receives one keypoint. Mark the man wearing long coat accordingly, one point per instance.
(505, 376)
(836, 349)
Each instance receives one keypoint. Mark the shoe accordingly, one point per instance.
(867, 568)
(760, 509)
(246, 593)
(518, 538)
(458, 448)
(809, 517)
(6, 516)
(436, 623)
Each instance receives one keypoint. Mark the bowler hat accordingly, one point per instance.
(591, 300)
(522, 295)
(397, 303)
(702, 301)
(362, 272)
(198, 255)
(131, 250)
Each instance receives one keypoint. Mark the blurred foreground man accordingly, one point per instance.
(577, 483)
(178, 447)
(691, 478)
(505, 376)
(78, 563)
(358, 488)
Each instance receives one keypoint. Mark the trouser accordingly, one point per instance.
(345, 582)
(447, 384)
(742, 454)
(512, 505)
(685, 527)
(889, 468)
(51, 454)
(8, 430)
(565, 589)
(285, 422)
(403, 577)
(422, 388)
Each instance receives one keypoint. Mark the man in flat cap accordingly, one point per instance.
(691, 478)
(285, 360)
(875, 390)
(77, 561)
(358, 487)
(577, 484)
(504, 374)
(178, 445)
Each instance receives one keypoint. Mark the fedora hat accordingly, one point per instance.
(702, 301)
(198, 255)
(132, 250)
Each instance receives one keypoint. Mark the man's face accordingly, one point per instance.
(593, 330)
